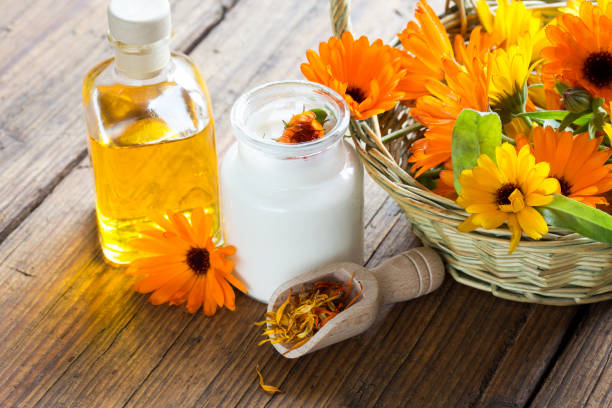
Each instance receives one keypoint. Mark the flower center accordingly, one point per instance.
(503, 193)
(357, 94)
(566, 187)
(198, 259)
(597, 69)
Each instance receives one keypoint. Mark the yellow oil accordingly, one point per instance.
(144, 165)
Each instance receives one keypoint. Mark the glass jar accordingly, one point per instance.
(289, 208)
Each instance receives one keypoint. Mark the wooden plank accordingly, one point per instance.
(582, 376)
(535, 348)
(46, 51)
(452, 360)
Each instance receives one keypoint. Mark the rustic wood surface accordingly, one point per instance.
(74, 334)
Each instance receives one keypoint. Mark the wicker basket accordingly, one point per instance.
(564, 268)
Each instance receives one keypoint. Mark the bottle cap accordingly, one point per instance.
(139, 22)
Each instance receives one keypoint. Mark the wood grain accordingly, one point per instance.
(582, 376)
(516, 378)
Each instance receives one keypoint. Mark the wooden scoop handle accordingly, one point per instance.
(410, 274)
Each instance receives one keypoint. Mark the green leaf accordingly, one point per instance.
(475, 133)
(566, 213)
(429, 180)
(569, 119)
(546, 114)
(561, 87)
(597, 103)
(583, 120)
(321, 115)
(559, 115)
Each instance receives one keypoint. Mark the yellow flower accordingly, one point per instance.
(510, 69)
(511, 21)
(507, 192)
(517, 126)
(573, 6)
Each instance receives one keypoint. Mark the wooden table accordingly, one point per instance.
(73, 333)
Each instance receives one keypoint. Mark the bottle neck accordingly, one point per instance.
(141, 61)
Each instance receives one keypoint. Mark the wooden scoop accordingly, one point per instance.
(406, 276)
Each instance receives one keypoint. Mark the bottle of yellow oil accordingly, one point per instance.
(151, 130)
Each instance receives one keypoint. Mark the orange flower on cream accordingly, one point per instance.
(303, 127)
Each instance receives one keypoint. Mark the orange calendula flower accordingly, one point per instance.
(427, 45)
(446, 184)
(581, 49)
(185, 265)
(303, 127)
(507, 192)
(576, 162)
(465, 88)
(553, 100)
(366, 75)
(477, 48)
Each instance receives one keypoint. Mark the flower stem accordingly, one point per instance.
(508, 139)
(401, 132)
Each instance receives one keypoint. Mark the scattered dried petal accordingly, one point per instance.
(267, 388)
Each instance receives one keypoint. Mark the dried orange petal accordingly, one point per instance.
(267, 388)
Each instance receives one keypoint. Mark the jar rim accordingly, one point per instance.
(334, 101)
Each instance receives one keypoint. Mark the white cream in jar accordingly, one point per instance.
(289, 208)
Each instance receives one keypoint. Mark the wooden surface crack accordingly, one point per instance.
(121, 330)
(161, 359)
(24, 273)
(74, 360)
(566, 340)
(508, 344)
(602, 377)
(416, 343)
(225, 8)
(43, 193)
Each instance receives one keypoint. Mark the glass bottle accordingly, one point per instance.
(151, 131)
